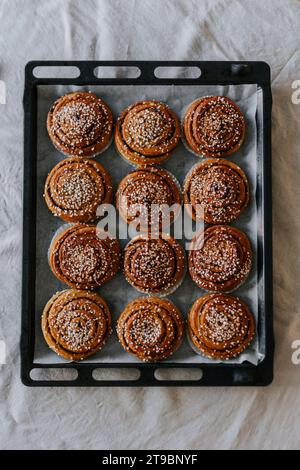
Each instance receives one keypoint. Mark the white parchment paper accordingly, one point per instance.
(118, 292)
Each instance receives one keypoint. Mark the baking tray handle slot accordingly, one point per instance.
(117, 71)
(177, 373)
(186, 72)
(56, 71)
(54, 374)
(115, 373)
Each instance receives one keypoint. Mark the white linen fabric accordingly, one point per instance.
(154, 418)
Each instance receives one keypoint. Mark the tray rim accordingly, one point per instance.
(212, 73)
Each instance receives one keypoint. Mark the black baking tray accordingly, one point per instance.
(212, 73)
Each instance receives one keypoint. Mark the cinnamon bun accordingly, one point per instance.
(145, 194)
(83, 258)
(150, 328)
(147, 132)
(154, 265)
(214, 126)
(219, 188)
(220, 258)
(76, 323)
(220, 326)
(80, 124)
(75, 187)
